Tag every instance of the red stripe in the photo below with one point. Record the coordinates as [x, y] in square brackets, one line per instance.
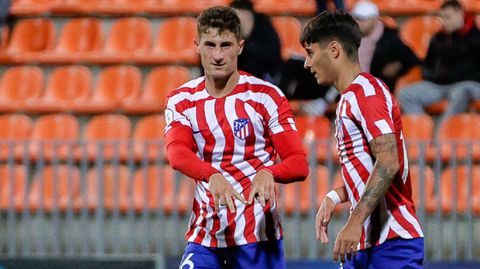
[207, 155]
[216, 222]
[203, 223]
[362, 238]
[191, 229]
[402, 221]
[411, 210]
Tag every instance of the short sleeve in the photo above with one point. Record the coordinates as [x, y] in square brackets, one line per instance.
[374, 113]
[174, 115]
[281, 117]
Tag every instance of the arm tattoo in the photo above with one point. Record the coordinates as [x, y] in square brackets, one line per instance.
[386, 167]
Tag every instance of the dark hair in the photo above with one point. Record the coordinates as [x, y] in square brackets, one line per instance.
[452, 3]
[338, 26]
[243, 5]
[221, 18]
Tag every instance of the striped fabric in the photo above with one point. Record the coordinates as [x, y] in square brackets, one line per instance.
[367, 110]
[233, 133]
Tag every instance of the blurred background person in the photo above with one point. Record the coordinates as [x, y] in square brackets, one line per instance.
[261, 55]
[382, 53]
[451, 69]
[4, 14]
[322, 5]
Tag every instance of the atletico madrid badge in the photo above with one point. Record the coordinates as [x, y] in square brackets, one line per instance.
[242, 128]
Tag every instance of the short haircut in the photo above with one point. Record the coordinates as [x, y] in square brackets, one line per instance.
[243, 5]
[452, 3]
[329, 26]
[221, 18]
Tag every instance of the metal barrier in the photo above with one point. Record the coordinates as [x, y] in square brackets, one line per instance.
[77, 199]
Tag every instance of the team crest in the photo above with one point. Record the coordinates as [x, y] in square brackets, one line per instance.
[241, 128]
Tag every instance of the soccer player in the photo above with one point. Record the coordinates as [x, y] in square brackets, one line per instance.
[225, 130]
[382, 230]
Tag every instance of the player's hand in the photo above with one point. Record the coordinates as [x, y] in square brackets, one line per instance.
[223, 192]
[347, 241]
[322, 219]
[263, 187]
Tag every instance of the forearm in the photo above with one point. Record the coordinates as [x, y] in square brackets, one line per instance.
[386, 167]
[293, 168]
[377, 185]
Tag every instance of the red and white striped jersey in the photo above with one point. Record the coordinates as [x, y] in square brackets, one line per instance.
[367, 110]
[233, 133]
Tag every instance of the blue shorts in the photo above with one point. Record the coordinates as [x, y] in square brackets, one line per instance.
[268, 254]
[392, 254]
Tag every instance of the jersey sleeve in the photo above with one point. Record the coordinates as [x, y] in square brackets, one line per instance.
[281, 116]
[373, 112]
[174, 115]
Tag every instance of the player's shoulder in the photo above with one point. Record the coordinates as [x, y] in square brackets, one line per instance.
[366, 85]
[187, 89]
[258, 85]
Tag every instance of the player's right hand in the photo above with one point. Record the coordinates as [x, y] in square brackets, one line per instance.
[322, 219]
[223, 193]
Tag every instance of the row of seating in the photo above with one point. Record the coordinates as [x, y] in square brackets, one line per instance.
[71, 89]
[154, 7]
[178, 7]
[129, 40]
[60, 137]
[156, 188]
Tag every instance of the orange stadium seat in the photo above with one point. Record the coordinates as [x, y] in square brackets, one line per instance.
[129, 41]
[460, 178]
[297, 196]
[288, 29]
[283, 7]
[159, 82]
[147, 138]
[115, 84]
[19, 87]
[180, 7]
[29, 39]
[417, 31]
[13, 187]
[460, 135]
[5, 36]
[54, 188]
[107, 136]
[15, 130]
[316, 128]
[412, 76]
[54, 137]
[417, 131]
[68, 88]
[161, 186]
[116, 182]
[31, 7]
[430, 198]
[79, 6]
[79, 38]
[174, 42]
[472, 5]
[407, 7]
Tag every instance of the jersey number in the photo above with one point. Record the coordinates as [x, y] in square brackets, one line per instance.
[187, 262]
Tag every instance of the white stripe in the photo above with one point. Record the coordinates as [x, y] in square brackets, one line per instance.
[367, 227]
[383, 126]
[355, 109]
[398, 229]
[259, 147]
[388, 99]
[367, 87]
[292, 124]
[405, 159]
[207, 239]
[411, 219]
[259, 221]
[240, 223]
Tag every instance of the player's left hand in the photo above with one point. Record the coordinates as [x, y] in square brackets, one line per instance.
[263, 187]
[347, 241]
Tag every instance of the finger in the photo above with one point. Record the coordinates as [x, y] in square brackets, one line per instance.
[261, 197]
[317, 227]
[336, 249]
[354, 250]
[326, 216]
[230, 202]
[272, 192]
[216, 200]
[342, 251]
[239, 197]
[252, 194]
[348, 250]
[324, 234]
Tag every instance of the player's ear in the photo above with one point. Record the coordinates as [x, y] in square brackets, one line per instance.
[196, 41]
[334, 49]
[241, 43]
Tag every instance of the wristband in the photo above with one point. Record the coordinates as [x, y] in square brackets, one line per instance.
[334, 196]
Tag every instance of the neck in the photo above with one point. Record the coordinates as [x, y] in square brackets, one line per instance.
[345, 77]
[221, 87]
